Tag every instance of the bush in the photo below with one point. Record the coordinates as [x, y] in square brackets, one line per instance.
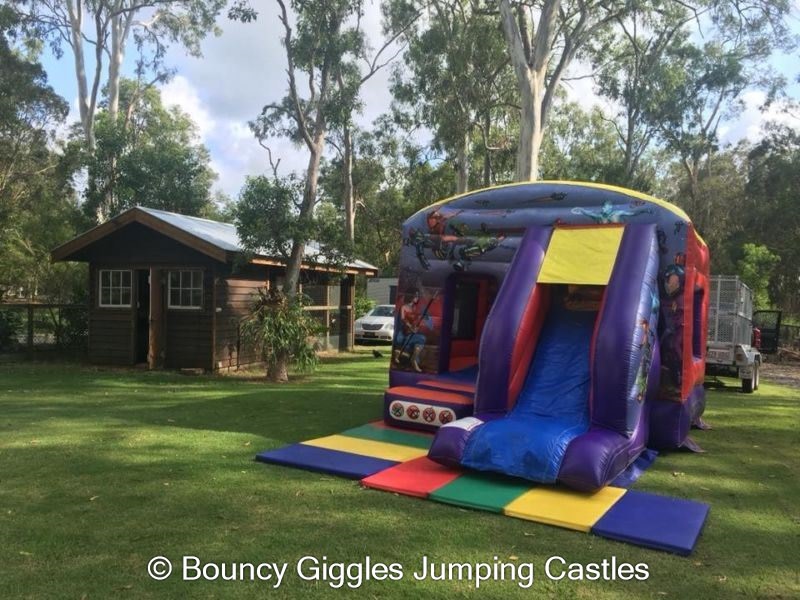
[282, 332]
[11, 324]
[363, 305]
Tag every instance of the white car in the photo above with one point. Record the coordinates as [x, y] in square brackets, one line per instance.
[377, 324]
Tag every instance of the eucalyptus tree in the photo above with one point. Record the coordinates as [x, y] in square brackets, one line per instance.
[30, 110]
[543, 39]
[457, 76]
[637, 65]
[98, 33]
[706, 90]
[153, 158]
[320, 38]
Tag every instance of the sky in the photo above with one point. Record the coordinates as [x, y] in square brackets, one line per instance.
[244, 68]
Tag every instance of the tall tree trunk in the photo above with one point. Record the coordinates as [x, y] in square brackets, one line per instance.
[75, 12]
[462, 159]
[295, 262]
[278, 371]
[530, 62]
[349, 199]
[487, 156]
[116, 56]
[531, 132]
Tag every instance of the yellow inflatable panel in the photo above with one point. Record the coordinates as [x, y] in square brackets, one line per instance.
[368, 448]
[564, 508]
[581, 255]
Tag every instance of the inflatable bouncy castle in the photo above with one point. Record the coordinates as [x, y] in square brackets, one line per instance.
[550, 331]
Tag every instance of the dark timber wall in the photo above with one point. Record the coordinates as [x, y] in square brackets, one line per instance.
[112, 331]
[206, 337]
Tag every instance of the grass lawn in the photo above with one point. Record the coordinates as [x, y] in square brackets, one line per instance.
[101, 470]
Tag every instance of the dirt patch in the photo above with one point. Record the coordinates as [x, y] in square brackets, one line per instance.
[785, 373]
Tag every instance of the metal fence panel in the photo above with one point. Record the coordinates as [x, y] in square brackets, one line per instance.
[37, 329]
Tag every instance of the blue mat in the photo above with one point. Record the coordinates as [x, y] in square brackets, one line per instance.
[311, 458]
[551, 409]
[653, 521]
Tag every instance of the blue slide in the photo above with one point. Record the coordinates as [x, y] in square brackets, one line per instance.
[552, 408]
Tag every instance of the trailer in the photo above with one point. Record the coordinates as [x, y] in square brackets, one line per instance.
[734, 344]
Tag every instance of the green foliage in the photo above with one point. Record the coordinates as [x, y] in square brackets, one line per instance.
[11, 324]
[325, 41]
[773, 214]
[456, 77]
[37, 204]
[716, 202]
[150, 156]
[392, 179]
[582, 146]
[29, 112]
[363, 305]
[755, 268]
[269, 222]
[282, 330]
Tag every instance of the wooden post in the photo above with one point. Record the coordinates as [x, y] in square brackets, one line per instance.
[213, 275]
[346, 314]
[155, 349]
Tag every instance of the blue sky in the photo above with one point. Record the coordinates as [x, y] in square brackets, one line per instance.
[244, 68]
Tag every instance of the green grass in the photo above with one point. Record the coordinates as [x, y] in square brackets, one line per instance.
[102, 470]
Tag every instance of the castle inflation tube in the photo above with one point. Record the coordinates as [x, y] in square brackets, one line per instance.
[550, 331]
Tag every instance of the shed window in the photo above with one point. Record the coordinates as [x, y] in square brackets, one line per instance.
[185, 289]
[115, 288]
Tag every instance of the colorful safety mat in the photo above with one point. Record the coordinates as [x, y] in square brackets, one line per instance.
[395, 460]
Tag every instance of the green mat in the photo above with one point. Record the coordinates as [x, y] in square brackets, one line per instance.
[390, 436]
[484, 492]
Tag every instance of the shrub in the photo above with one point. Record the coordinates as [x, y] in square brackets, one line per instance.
[282, 332]
[11, 324]
[363, 305]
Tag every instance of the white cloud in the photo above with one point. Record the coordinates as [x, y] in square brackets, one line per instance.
[750, 122]
[180, 92]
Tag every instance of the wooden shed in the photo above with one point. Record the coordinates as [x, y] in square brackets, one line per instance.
[170, 291]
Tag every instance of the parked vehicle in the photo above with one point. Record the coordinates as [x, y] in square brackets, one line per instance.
[376, 325]
[737, 337]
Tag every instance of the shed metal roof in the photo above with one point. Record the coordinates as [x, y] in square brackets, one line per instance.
[210, 234]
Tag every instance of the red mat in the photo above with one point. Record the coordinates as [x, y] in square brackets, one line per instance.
[418, 477]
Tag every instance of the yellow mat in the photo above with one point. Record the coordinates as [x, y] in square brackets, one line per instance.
[564, 508]
[371, 448]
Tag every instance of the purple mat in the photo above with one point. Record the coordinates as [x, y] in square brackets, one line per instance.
[635, 470]
[311, 458]
[653, 521]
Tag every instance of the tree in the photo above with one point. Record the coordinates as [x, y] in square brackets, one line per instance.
[317, 47]
[29, 112]
[104, 28]
[637, 64]
[392, 179]
[148, 156]
[540, 55]
[583, 146]
[772, 211]
[705, 85]
[457, 77]
[756, 268]
[721, 186]
[38, 207]
[281, 330]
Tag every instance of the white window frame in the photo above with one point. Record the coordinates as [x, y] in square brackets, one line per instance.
[172, 306]
[111, 287]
